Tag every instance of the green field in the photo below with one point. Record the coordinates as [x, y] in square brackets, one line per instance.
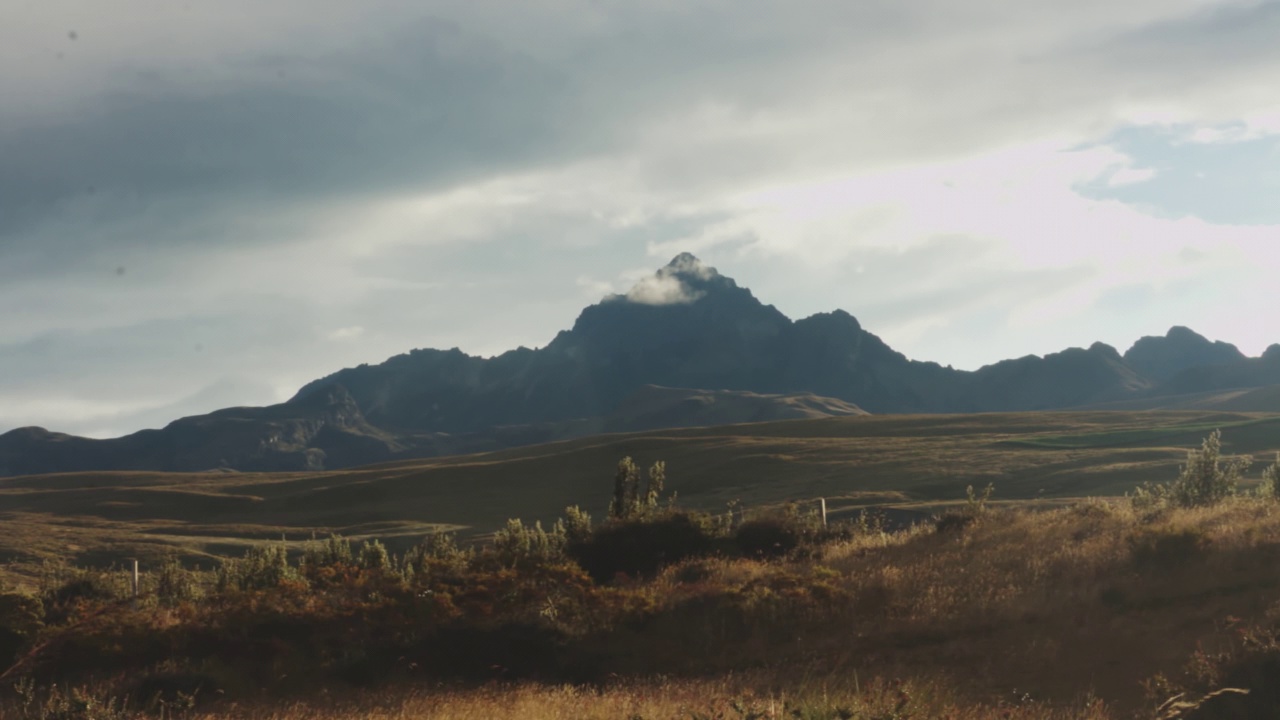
[895, 461]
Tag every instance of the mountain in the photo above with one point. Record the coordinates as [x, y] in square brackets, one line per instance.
[1248, 372]
[1161, 358]
[324, 429]
[686, 346]
[688, 326]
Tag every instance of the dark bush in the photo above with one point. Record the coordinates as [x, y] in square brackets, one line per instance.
[87, 587]
[953, 521]
[1166, 548]
[769, 537]
[20, 617]
[510, 651]
[641, 547]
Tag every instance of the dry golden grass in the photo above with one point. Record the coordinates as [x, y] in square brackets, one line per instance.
[1056, 601]
[1026, 613]
[735, 699]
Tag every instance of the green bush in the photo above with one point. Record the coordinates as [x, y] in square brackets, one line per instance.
[520, 545]
[1270, 487]
[333, 552]
[437, 556]
[374, 556]
[1206, 479]
[630, 500]
[175, 584]
[261, 568]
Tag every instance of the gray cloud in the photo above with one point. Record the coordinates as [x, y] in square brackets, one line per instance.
[406, 115]
[270, 179]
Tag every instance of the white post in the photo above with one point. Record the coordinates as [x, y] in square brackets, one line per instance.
[823, 503]
[135, 584]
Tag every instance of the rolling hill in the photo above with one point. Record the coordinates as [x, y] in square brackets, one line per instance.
[901, 462]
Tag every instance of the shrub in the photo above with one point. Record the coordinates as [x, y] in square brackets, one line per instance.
[261, 568]
[520, 545]
[642, 546]
[1270, 487]
[629, 499]
[175, 584]
[1205, 480]
[333, 552]
[373, 556]
[975, 507]
[768, 537]
[437, 556]
[576, 524]
[66, 589]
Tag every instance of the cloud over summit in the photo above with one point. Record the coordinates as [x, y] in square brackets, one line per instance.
[670, 285]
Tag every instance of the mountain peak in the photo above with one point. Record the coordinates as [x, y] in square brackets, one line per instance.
[1160, 358]
[683, 281]
[687, 262]
[1105, 349]
[1182, 332]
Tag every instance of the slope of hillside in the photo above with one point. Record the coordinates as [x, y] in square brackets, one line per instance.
[1243, 400]
[653, 407]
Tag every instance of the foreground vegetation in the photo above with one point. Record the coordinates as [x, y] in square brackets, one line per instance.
[1141, 607]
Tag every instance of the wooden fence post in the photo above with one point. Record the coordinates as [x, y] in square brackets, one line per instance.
[823, 503]
[135, 584]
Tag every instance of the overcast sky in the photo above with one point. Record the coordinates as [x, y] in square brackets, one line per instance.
[208, 203]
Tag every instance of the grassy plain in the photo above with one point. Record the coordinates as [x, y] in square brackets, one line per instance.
[904, 462]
